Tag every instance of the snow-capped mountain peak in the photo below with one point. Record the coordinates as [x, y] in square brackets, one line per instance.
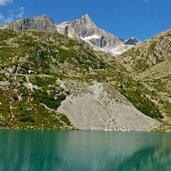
[85, 30]
[132, 41]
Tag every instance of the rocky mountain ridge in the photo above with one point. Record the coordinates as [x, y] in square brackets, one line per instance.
[83, 30]
[41, 22]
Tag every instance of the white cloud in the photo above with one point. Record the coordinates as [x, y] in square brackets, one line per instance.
[12, 15]
[4, 2]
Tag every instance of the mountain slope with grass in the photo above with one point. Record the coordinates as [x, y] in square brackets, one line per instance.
[150, 64]
[49, 81]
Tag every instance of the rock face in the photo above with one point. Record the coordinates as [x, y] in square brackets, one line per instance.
[41, 22]
[83, 30]
[2, 27]
[101, 107]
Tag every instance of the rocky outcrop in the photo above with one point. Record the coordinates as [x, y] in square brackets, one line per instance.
[85, 30]
[2, 27]
[41, 22]
[101, 107]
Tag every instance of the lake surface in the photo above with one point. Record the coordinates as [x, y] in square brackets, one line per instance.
[84, 151]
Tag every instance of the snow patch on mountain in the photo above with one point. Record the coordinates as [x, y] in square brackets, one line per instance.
[95, 36]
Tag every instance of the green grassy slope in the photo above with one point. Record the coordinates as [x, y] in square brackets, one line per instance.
[32, 63]
[150, 64]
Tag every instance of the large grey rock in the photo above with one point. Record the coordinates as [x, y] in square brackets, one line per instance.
[101, 107]
[41, 22]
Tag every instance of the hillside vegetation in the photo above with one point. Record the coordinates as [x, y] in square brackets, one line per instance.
[150, 64]
[34, 64]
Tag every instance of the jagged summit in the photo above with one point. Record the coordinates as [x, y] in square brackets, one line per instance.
[132, 41]
[86, 18]
[85, 30]
[44, 17]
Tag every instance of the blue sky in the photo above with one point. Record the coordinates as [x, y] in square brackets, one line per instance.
[123, 18]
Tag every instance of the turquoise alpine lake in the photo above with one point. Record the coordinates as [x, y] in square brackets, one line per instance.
[84, 151]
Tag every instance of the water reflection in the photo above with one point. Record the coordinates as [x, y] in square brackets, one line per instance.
[84, 151]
